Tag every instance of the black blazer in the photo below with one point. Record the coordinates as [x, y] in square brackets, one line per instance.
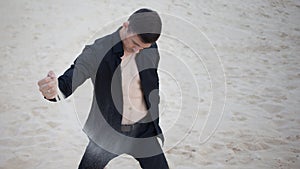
[101, 62]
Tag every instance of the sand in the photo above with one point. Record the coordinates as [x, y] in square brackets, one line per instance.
[229, 77]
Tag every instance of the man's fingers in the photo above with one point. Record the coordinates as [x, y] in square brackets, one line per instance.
[49, 93]
[48, 86]
[45, 81]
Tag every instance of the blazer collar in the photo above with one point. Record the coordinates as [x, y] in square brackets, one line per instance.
[117, 42]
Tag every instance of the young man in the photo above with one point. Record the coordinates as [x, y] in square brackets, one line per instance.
[124, 115]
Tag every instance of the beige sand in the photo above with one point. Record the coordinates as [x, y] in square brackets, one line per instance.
[257, 42]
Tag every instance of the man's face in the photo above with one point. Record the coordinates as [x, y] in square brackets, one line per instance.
[133, 44]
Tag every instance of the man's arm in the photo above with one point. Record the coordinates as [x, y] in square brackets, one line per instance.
[82, 69]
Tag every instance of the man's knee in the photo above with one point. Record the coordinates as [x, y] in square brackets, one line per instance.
[95, 157]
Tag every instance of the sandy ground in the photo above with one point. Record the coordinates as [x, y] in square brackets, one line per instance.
[243, 55]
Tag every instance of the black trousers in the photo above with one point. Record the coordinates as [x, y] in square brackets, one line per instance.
[96, 157]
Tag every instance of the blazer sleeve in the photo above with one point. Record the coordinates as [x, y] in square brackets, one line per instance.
[82, 69]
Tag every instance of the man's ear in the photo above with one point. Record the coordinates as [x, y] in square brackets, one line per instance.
[125, 24]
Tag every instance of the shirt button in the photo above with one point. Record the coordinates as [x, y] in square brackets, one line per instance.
[130, 108]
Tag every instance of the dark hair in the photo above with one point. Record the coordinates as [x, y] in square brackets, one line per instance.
[146, 23]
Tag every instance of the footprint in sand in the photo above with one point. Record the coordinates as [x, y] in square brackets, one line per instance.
[39, 111]
[238, 117]
[293, 138]
[52, 124]
[274, 142]
[271, 108]
[248, 147]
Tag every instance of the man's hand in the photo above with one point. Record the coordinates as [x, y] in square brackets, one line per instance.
[49, 85]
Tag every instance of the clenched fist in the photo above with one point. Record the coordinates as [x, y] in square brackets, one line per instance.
[49, 86]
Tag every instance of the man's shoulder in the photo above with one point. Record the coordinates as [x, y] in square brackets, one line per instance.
[104, 41]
